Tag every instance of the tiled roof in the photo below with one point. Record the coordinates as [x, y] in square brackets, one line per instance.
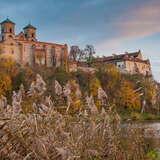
[29, 26]
[127, 56]
[7, 21]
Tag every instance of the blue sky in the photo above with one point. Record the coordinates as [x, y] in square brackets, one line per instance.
[112, 26]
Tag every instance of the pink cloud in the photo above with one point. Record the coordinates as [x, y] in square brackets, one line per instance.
[141, 22]
[137, 23]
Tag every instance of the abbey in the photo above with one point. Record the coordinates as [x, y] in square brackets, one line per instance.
[132, 63]
[26, 49]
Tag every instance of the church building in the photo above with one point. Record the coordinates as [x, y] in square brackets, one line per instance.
[27, 50]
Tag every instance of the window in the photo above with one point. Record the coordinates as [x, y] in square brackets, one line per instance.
[2, 30]
[12, 51]
[10, 36]
[2, 38]
[32, 35]
[10, 30]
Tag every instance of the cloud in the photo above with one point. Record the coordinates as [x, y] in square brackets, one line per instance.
[142, 21]
[139, 22]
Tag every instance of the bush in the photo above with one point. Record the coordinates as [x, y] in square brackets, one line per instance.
[153, 155]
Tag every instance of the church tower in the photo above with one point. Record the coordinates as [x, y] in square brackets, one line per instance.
[30, 32]
[7, 29]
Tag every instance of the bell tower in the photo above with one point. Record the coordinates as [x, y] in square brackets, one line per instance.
[7, 29]
[30, 32]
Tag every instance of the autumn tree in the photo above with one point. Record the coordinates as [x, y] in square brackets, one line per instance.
[5, 83]
[128, 97]
[7, 64]
[147, 89]
[149, 92]
[110, 78]
[84, 79]
[94, 86]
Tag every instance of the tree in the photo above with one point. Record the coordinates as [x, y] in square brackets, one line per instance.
[75, 53]
[7, 64]
[149, 92]
[84, 79]
[89, 52]
[110, 78]
[128, 97]
[5, 83]
[62, 76]
[19, 79]
[147, 89]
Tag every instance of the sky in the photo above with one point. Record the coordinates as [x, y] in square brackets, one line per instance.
[112, 26]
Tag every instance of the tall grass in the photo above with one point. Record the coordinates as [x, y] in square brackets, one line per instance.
[46, 134]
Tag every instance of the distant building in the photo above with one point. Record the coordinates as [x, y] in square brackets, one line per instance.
[26, 49]
[131, 63]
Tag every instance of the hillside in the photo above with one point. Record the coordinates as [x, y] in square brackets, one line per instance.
[133, 96]
[48, 113]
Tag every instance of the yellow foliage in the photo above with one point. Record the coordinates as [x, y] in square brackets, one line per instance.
[128, 97]
[94, 86]
[78, 104]
[113, 75]
[98, 104]
[73, 84]
[7, 64]
[7, 61]
[5, 83]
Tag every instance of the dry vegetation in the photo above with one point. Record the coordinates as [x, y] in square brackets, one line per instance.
[39, 131]
[72, 116]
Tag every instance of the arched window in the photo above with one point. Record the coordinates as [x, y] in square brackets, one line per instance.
[10, 30]
[2, 38]
[53, 57]
[32, 35]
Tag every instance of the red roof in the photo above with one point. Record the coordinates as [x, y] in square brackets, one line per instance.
[123, 57]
